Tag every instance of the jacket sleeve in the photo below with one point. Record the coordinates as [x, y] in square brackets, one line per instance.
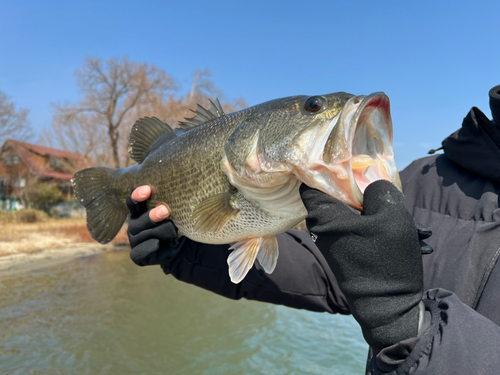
[458, 341]
[302, 278]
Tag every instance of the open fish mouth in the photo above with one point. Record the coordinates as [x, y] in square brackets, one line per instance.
[356, 152]
[372, 152]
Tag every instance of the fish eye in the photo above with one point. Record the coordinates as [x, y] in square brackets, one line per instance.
[314, 104]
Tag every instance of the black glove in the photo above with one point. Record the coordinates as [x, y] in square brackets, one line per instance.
[151, 243]
[376, 258]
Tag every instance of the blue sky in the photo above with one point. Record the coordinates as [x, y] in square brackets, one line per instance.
[434, 59]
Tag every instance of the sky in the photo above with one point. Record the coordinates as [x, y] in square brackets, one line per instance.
[434, 59]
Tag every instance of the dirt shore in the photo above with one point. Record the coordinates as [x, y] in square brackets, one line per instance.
[34, 245]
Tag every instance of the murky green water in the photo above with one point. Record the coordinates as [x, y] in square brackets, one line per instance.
[104, 315]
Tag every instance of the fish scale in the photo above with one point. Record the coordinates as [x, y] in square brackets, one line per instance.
[235, 178]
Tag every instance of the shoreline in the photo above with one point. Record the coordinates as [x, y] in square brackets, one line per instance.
[31, 246]
[25, 262]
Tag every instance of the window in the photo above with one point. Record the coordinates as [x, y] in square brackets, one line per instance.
[20, 183]
[56, 163]
[11, 159]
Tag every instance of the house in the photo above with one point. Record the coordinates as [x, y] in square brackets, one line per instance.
[22, 162]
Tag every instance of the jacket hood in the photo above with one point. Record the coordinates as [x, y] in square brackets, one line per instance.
[495, 104]
[476, 146]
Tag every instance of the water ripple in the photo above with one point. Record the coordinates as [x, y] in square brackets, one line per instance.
[105, 315]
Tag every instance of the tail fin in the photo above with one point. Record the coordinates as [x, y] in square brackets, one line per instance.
[105, 212]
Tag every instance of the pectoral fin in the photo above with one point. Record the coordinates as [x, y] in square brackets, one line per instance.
[214, 212]
[245, 252]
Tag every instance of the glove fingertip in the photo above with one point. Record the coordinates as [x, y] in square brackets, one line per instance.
[141, 223]
[423, 231]
[426, 249]
[166, 231]
[136, 209]
[139, 253]
[130, 202]
[382, 195]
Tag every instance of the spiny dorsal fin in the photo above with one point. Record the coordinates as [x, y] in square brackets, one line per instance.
[202, 115]
[214, 212]
[143, 134]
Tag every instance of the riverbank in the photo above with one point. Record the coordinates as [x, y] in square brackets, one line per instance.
[35, 245]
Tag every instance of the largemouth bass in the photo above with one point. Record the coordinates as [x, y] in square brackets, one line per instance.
[234, 178]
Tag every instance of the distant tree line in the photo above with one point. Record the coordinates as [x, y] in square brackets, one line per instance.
[114, 94]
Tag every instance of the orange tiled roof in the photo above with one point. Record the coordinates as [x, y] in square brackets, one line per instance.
[27, 152]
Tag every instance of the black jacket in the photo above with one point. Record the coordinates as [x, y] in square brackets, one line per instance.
[456, 195]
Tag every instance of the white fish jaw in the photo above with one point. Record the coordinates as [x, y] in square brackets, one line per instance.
[352, 151]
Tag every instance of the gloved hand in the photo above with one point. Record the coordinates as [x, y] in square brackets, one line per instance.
[153, 239]
[376, 257]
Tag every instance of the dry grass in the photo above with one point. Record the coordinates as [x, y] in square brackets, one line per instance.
[81, 233]
[27, 215]
[33, 237]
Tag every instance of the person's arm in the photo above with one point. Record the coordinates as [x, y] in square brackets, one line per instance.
[302, 278]
[459, 341]
[376, 257]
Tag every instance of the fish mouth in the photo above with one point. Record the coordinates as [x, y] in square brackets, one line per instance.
[352, 151]
[370, 137]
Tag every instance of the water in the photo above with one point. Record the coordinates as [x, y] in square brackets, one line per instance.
[104, 315]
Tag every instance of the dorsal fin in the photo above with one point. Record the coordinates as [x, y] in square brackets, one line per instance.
[203, 115]
[144, 133]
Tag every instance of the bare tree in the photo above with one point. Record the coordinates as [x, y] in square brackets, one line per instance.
[202, 84]
[13, 123]
[114, 95]
[173, 109]
[79, 132]
[110, 92]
